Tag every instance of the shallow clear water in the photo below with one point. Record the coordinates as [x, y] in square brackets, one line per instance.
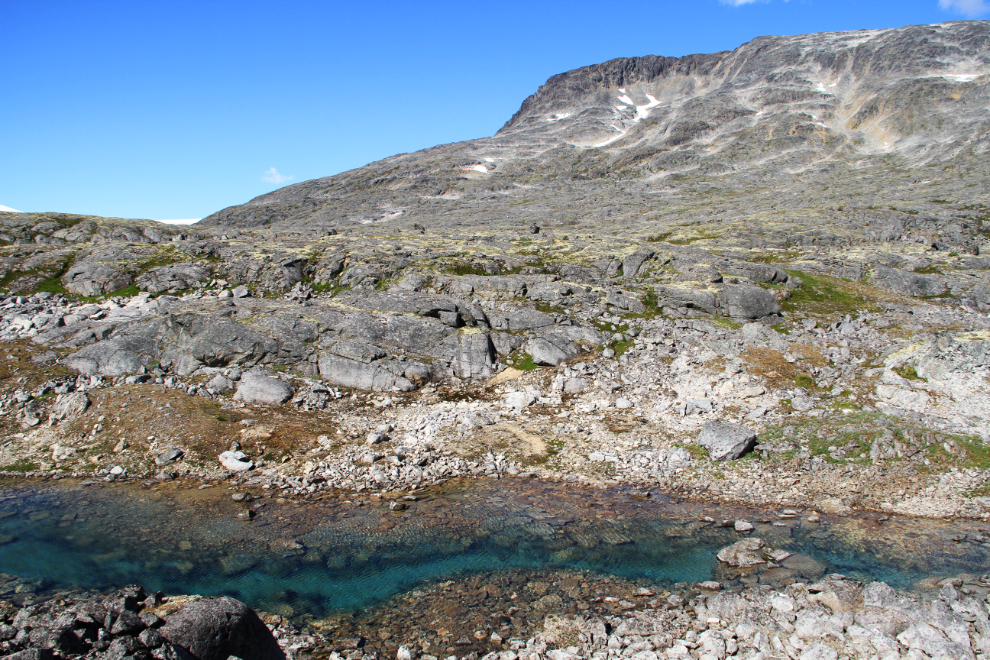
[328, 555]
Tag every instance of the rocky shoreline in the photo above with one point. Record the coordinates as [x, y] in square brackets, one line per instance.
[825, 620]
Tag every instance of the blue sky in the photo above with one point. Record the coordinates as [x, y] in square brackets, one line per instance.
[177, 109]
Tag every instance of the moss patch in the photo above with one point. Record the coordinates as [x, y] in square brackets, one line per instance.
[825, 295]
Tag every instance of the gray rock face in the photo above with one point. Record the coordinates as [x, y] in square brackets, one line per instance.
[69, 406]
[257, 386]
[469, 355]
[93, 279]
[172, 278]
[725, 441]
[741, 301]
[678, 296]
[524, 318]
[196, 340]
[634, 264]
[552, 348]
[113, 357]
[217, 628]
[908, 283]
[367, 371]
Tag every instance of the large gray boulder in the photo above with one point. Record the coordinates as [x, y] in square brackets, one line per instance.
[524, 318]
[912, 284]
[258, 386]
[745, 301]
[219, 384]
[679, 296]
[172, 278]
[551, 348]
[94, 279]
[747, 552]
[725, 441]
[218, 628]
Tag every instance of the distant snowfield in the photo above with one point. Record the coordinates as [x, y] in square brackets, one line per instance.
[7, 209]
[962, 77]
[186, 221]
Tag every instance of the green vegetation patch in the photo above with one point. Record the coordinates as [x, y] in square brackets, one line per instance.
[522, 361]
[464, 269]
[22, 465]
[907, 371]
[821, 294]
[52, 282]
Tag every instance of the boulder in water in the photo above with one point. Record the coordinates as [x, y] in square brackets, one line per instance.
[743, 553]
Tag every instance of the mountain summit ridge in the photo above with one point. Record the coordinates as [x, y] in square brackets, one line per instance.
[774, 105]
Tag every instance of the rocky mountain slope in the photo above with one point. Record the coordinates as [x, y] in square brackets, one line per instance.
[784, 133]
[654, 262]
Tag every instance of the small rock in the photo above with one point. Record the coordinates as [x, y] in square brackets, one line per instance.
[575, 385]
[375, 438]
[219, 385]
[519, 400]
[235, 461]
[169, 456]
[623, 403]
[744, 526]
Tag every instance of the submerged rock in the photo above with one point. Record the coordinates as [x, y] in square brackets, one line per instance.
[743, 553]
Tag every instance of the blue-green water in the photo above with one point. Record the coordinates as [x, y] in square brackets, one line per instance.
[329, 555]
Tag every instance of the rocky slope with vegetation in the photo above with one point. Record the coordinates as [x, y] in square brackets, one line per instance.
[758, 276]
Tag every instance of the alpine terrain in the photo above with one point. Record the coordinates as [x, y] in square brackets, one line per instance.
[757, 277]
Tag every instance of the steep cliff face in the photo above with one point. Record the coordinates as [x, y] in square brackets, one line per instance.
[899, 98]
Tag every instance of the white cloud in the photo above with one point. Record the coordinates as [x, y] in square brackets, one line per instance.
[7, 209]
[740, 3]
[181, 221]
[968, 8]
[273, 176]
